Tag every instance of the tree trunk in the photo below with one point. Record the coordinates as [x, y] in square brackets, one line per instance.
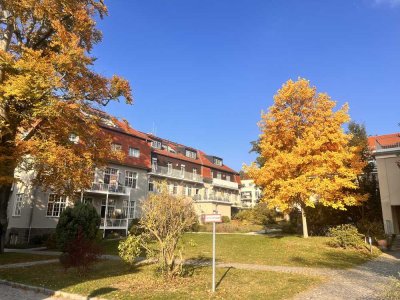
[304, 221]
[5, 191]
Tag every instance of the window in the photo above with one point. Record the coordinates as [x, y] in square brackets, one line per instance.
[55, 205]
[111, 176]
[194, 174]
[189, 190]
[182, 170]
[154, 164]
[169, 168]
[87, 200]
[134, 152]
[191, 154]
[151, 185]
[156, 144]
[19, 199]
[74, 138]
[110, 207]
[219, 175]
[128, 209]
[175, 189]
[218, 161]
[130, 179]
[116, 147]
[228, 178]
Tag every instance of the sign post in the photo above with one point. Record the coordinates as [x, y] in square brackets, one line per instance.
[214, 218]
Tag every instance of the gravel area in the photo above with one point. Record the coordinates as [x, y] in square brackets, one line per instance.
[363, 282]
[10, 293]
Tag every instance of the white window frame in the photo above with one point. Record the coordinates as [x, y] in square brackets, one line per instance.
[182, 171]
[169, 168]
[175, 189]
[134, 152]
[190, 154]
[116, 147]
[156, 144]
[131, 179]
[219, 175]
[56, 201]
[111, 172]
[194, 174]
[151, 184]
[218, 161]
[154, 164]
[73, 138]
[86, 199]
[228, 178]
[19, 200]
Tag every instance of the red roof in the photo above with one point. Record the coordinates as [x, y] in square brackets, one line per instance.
[383, 140]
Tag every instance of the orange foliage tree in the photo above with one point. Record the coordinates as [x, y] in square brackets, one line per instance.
[47, 91]
[306, 154]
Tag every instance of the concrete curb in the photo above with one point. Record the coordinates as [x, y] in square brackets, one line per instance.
[28, 264]
[38, 289]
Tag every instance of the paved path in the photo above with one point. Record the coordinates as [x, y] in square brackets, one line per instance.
[363, 282]
[9, 293]
[28, 264]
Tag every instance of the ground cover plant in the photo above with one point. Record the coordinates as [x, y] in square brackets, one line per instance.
[116, 280]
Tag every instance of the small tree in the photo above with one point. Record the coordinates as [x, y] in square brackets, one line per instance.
[305, 156]
[165, 219]
[81, 216]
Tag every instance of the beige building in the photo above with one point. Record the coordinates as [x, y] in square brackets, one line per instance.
[386, 149]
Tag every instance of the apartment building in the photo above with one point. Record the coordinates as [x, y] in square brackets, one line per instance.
[250, 194]
[386, 150]
[118, 189]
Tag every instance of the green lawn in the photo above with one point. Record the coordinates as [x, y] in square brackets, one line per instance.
[283, 250]
[13, 258]
[260, 249]
[114, 280]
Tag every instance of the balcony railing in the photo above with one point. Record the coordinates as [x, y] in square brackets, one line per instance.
[111, 188]
[225, 183]
[174, 173]
[212, 197]
[113, 223]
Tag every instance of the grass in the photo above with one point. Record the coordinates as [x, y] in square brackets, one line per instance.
[114, 280]
[281, 250]
[13, 258]
[268, 250]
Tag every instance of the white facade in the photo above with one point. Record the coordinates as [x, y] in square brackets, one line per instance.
[250, 194]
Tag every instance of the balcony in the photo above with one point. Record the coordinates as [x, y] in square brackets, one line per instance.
[176, 174]
[114, 223]
[225, 183]
[105, 188]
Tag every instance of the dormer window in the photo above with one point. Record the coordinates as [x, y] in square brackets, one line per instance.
[156, 144]
[74, 138]
[116, 147]
[218, 161]
[191, 154]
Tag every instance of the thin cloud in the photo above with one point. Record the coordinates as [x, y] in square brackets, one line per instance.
[391, 3]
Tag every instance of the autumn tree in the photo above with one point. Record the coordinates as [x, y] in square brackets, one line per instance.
[47, 91]
[306, 154]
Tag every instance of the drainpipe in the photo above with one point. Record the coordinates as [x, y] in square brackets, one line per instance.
[105, 216]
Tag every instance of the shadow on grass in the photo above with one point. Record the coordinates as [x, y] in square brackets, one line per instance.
[101, 291]
[223, 276]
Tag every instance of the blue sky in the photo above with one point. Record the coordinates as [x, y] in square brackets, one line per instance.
[203, 70]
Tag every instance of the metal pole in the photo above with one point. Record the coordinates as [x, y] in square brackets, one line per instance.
[213, 260]
[105, 216]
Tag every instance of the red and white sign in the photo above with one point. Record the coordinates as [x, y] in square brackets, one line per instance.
[214, 218]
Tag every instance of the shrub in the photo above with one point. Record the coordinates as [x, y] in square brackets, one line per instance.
[51, 242]
[345, 236]
[165, 218]
[130, 248]
[374, 229]
[225, 219]
[81, 216]
[80, 253]
[260, 214]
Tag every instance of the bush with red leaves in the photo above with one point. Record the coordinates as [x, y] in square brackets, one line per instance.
[80, 253]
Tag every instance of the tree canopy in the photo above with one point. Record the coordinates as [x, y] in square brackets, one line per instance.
[48, 87]
[305, 152]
